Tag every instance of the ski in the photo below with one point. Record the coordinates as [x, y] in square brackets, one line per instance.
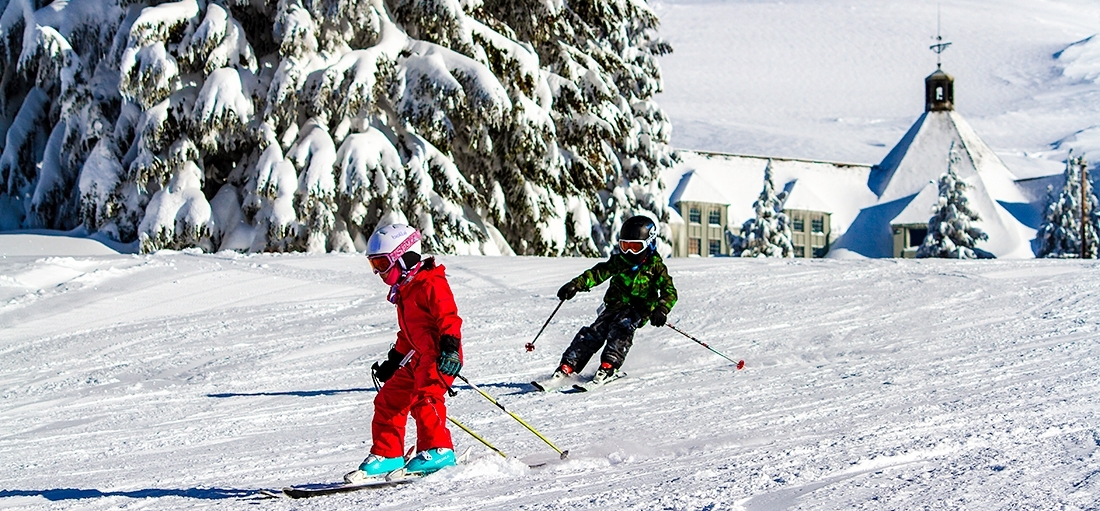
[591, 385]
[550, 383]
[317, 490]
[396, 478]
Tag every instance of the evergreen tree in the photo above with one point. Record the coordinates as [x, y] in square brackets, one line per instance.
[303, 124]
[601, 57]
[951, 230]
[769, 233]
[1060, 233]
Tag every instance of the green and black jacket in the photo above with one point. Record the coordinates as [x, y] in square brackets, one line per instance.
[645, 287]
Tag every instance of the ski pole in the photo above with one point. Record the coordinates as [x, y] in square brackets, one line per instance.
[531, 345]
[740, 363]
[564, 454]
[475, 435]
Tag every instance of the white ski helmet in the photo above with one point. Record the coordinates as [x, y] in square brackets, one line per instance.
[386, 246]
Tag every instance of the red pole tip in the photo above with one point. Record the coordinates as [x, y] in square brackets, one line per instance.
[530, 346]
[740, 365]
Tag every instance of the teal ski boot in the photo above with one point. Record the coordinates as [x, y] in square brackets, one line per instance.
[373, 468]
[431, 460]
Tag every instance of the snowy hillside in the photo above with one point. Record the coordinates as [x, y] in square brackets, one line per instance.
[187, 381]
[843, 80]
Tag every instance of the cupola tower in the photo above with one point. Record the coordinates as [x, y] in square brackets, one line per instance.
[939, 92]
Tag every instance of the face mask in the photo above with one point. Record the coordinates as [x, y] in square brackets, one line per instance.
[391, 276]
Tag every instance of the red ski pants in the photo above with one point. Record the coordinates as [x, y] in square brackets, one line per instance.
[417, 389]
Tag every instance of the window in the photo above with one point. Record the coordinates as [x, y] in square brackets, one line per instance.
[817, 225]
[695, 216]
[714, 217]
[916, 236]
[715, 247]
[799, 251]
[798, 224]
[693, 246]
[939, 93]
[820, 251]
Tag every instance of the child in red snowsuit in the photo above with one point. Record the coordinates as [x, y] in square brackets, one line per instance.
[421, 366]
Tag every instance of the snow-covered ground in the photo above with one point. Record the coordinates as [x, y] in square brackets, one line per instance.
[843, 79]
[181, 380]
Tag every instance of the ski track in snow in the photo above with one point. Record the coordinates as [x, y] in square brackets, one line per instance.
[187, 381]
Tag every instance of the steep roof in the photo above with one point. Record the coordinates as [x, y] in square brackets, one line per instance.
[921, 156]
[919, 210]
[906, 185]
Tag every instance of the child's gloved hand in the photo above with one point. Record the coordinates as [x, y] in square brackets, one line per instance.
[658, 317]
[449, 362]
[568, 291]
[385, 370]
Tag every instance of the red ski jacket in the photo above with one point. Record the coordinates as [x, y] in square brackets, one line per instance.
[426, 311]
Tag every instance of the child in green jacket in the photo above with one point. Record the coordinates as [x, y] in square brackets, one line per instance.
[640, 290]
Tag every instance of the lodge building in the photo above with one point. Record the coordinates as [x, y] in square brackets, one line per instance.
[856, 210]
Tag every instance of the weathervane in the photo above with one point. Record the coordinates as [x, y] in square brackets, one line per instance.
[940, 46]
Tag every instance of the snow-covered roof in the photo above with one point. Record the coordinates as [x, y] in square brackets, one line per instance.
[736, 180]
[919, 210]
[803, 197]
[921, 157]
[696, 188]
[906, 182]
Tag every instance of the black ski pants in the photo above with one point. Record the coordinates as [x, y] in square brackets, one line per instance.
[616, 327]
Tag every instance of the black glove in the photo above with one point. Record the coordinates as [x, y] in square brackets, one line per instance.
[385, 370]
[449, 362]
[658, 317]
[568, 291]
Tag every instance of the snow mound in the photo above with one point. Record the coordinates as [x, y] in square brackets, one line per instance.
[41, 245]
[1081, 60]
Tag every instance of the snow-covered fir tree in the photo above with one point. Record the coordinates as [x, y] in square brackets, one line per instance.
[769, 233]
[601, 58]
[303, 124]
[951, 230]
[1060, 233]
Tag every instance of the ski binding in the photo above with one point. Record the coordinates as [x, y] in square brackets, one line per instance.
[591, 385]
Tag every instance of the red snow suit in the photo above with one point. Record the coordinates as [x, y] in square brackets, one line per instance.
[426, 310]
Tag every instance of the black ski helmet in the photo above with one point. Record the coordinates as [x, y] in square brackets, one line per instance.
[638, 228]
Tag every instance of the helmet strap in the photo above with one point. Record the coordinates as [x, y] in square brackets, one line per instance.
[404, 277]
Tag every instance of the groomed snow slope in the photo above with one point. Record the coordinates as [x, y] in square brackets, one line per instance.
[185, 381]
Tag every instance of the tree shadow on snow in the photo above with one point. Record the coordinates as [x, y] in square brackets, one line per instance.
[519, 388]
[61, 494]
[296, 393]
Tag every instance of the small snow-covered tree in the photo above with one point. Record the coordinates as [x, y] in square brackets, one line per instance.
[951, 230]
[1060, 233]
[769, 233]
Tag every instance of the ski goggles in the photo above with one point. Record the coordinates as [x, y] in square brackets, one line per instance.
[382, 263]
[633, 246]
[638, 246]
